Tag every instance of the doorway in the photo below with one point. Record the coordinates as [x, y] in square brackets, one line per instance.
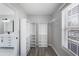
[39, 41]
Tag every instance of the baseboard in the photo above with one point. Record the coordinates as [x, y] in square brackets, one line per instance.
[54, 49]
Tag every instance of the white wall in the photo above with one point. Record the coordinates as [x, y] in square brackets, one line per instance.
[39, 19]
[5, 10]
[55, 35]
[25, 34]
[1, 27]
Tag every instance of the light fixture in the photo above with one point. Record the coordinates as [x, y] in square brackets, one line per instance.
[5, 20]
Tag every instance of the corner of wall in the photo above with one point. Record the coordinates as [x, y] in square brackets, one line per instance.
[54, 49]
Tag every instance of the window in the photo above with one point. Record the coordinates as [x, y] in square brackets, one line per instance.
[70, 28]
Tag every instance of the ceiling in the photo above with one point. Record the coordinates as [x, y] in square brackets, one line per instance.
[40, 9]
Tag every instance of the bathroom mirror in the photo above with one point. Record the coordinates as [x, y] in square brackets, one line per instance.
[6, 25]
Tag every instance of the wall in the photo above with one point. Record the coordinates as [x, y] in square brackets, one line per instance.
[39, 19]
[25, 36]
[55, 35]
[1, 27]
[5, 10]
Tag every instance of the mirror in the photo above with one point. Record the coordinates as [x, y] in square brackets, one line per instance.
[6, 25]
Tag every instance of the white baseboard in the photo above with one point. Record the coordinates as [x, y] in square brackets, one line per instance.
[54, 49]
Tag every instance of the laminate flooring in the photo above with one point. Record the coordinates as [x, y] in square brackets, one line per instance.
[42, 51]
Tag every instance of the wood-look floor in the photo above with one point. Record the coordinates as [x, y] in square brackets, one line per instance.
[42, 51]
